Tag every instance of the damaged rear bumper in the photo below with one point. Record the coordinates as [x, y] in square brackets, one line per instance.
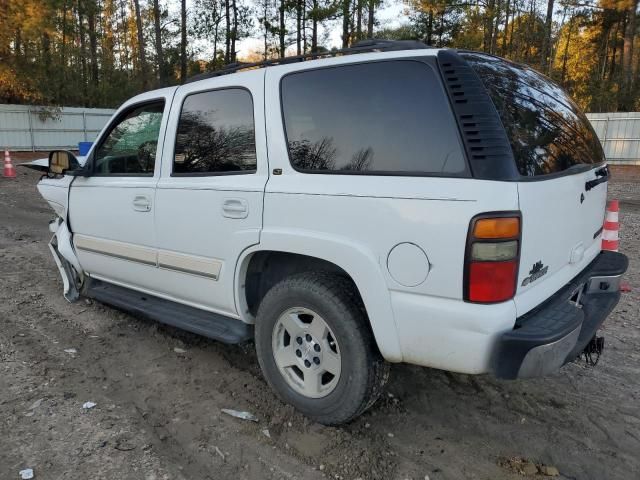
[557, 331]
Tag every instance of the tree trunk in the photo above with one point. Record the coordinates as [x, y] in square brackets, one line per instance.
[227, 40]
[627, 56]
[93, 46]
[183, 41]
[565, 56]
[83, 53]
[299, 27]
[359, 19]
[162, 74]
[515, 17]
[314, 27]
[17, 43]
[63, 51]
[5, 41]
[265, 25]
[553, 50]
[430, 28]
[494, 35]
[234, 31]
[503, 48]
[353, 6]
[614, 54]
[530, 29]
[345, 23]
[265, 29]
[281, 30]
[125, 58]
[215, 44]
[546, 38]
[304, 25]
[45, 61]
[370, 22]
[488, 25]
[46, 54]
[141, 52]
[604, 52]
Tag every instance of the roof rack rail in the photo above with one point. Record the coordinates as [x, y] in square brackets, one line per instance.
[370, 45]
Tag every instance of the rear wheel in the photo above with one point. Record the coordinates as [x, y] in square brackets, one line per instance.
[316, 349]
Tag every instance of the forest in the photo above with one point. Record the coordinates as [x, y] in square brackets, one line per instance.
[98, 53]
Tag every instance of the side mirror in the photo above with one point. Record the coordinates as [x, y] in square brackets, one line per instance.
[63, 162]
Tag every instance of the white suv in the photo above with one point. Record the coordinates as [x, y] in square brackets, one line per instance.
[385, 203]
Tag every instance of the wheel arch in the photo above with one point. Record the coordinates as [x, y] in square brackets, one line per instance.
[290, 254]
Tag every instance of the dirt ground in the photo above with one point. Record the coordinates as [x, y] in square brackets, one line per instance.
[158, 410]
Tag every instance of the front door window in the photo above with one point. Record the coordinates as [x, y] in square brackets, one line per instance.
[130, 147]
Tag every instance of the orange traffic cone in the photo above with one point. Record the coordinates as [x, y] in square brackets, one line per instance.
[9, 170]
[610, 239]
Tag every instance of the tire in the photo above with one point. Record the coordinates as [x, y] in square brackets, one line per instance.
[348, 347]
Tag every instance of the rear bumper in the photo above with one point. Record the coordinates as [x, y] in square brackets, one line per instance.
[557, 331]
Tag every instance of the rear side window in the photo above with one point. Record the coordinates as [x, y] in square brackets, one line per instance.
[547, 131]
[216, 134]
[377, 118]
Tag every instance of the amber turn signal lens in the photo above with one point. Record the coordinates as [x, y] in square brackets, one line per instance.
[507, 227]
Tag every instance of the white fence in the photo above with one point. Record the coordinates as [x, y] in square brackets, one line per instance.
[25, 127]
[620, 136]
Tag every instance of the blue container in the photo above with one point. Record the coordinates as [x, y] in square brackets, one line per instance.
[84, 147]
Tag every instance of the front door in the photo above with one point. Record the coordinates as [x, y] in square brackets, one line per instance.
[210, 194]
[111, 212]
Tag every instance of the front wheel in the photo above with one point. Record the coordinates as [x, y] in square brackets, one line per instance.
[316, 349]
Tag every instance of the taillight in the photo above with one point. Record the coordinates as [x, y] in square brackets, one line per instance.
[492, 257]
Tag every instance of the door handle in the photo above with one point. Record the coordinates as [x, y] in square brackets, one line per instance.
[141, 203]
[235, 208]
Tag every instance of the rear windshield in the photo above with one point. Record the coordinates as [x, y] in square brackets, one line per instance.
[547, 131]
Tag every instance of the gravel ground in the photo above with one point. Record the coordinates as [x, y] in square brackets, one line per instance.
[159, 393]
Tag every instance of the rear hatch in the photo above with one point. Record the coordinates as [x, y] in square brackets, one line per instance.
[562, 192]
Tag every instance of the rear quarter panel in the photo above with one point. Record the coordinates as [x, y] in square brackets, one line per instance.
[356, 220]
[426, 323]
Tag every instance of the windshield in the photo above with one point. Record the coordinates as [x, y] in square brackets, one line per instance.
[547, 131]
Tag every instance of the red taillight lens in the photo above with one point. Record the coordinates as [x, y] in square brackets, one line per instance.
[492, 281]
[491, 262]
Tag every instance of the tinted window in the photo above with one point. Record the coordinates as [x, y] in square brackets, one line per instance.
[547, 131]
[375, 117]
[130, 147]
[216, 133]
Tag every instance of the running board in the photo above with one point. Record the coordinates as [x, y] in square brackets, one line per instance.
[208, 324]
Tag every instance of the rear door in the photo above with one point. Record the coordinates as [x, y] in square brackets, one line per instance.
[210, 193]
[563, 190]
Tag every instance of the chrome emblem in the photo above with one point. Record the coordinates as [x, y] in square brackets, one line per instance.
[538, 270]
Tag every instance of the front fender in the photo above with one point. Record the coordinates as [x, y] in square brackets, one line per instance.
[64, 246]
[65, 258]
[56, 192]
[355, 259]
